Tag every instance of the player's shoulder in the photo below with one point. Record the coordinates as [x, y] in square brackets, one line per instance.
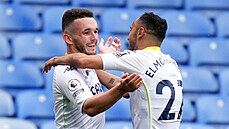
[65, 69]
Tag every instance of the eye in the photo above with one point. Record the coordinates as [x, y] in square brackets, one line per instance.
[86, 33]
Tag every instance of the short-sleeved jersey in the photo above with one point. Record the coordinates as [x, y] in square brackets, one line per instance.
[157, 103]
[71, 87]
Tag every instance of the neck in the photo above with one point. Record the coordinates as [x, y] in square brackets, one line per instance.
[71, 50]
[148, 41]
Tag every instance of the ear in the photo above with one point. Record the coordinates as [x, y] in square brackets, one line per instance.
[67, 38]
[141, 32]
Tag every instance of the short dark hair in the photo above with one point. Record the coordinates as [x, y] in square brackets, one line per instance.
[72, 14]
[154, 25]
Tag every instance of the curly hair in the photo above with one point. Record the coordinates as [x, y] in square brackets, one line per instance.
[72, 14]
[154, 25]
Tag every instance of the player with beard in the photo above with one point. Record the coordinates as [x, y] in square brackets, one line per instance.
[157, 103]
[79, 101]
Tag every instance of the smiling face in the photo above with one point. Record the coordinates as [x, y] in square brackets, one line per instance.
[84, 35]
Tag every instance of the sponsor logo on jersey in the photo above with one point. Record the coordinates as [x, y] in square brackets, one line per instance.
[69, 68]
[75, 94]
[96, 89]
[87, 72]
[74, 84]
[120, 54]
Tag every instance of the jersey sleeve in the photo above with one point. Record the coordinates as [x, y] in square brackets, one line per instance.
[126, 61]
[72, 85]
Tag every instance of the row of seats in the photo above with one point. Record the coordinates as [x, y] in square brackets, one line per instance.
[189, 4]
[195, 79]
[180, 23]
[196, 83]
[37, 107]
[196, 38]
[11, 123]
[211, 52]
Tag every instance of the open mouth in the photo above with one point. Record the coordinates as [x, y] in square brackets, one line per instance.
[91, 45]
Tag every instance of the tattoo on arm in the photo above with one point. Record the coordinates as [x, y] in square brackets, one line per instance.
[111, 81]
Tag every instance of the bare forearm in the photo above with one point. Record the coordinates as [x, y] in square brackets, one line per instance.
[102, 102]
[76, 60]
[107, 79]
[80, 60]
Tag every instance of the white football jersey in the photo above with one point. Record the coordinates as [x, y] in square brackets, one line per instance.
[157, 103]
[71, 87]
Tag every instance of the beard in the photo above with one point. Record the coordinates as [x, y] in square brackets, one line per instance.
[81, 48]
[133, 42]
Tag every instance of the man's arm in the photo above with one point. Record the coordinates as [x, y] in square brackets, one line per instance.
[102, 102]
[76, 60]
[109, 80]
[80, 60]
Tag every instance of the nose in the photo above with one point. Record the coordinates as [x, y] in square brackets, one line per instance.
[93, 36]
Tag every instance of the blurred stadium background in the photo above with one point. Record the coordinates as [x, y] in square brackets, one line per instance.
[197, 38]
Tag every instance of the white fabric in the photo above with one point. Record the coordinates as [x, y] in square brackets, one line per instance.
[71, 88]
[158, 71]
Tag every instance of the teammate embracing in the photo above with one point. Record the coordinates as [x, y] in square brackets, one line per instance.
[157, 103]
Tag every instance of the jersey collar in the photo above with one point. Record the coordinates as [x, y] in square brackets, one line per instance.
[153, 48]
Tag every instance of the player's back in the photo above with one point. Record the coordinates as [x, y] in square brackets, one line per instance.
[157, 103]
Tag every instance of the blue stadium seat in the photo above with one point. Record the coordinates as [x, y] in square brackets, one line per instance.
[209, 52]
[175, 49]
[119, 111]
[5, 51]
[195, 126]
[114, 72]
[101, 3]
[188, 23]
[17, 76]
[49, 81]
[118, 21]
[52, 17]
[189, 113]
[35, 105]
[221, 26]
[198, 80]
[165, 4]
[13, 123]
[227, 127]
[19, 18]
[45, 2]
[118, 125]
[4, 1]
[212, 109]
[34, 46]
[48, 125]
[6, 104]
[224, 82]
[207, 4]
